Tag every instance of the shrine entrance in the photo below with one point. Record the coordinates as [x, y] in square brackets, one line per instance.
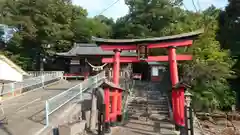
[143, 69]
[142, 46]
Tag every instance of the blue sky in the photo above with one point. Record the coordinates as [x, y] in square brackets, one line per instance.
[94, 7]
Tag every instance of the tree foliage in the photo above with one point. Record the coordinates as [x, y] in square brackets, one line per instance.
[50, 22]
[228, 36]
[211, 67]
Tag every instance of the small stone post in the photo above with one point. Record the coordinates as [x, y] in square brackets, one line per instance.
[93, 117]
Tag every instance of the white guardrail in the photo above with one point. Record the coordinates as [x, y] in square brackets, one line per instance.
[34, 82]
[61, 99]
[40, 73]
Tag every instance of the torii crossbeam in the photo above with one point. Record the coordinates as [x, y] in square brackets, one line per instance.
[142, 46]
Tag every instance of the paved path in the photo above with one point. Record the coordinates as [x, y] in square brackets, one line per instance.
[26, 113]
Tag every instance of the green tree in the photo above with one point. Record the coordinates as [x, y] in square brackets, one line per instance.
[228, 36]
[229, 26]
[147, 18]
[50, 22]
[210, 69]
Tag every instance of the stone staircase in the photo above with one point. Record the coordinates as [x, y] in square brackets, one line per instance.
[148, 113]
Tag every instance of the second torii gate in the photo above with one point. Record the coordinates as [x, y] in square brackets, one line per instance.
[142, 46]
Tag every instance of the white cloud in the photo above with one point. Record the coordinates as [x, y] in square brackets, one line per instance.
[95, 7]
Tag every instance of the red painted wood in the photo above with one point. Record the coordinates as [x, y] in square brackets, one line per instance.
[155, 78]
[72, 74]
[165, 58]
[121, 47]
[174, 105]
[150, 59]
[172, 58]
[181, 118]
[154, 45]
[112, 115]
[168, 44]
[113, 93]
[177, 94]
[119, 103]
[177, 103]
[116, 72]
[119, 112]
[107, 103]
[86, 75]
[137, 76]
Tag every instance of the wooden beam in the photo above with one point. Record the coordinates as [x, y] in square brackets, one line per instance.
[150, 59]
[150, 45]
[121, 47]
[168, 44]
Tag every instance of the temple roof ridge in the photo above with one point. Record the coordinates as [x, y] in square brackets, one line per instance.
[90, 49]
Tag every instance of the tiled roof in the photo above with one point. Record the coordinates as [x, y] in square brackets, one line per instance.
[91, 49]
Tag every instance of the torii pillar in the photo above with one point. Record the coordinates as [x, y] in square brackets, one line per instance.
[117, 98]
[178, 99]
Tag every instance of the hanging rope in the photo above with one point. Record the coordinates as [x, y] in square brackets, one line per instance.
[96, 68]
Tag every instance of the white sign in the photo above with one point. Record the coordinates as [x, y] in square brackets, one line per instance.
[154, 71]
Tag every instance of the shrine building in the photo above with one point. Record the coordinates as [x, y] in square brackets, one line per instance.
[85, 58]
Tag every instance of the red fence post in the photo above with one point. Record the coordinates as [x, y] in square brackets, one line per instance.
[119, 104]
[107, 110]
[181, 106]
[116, 71]
[107, 104]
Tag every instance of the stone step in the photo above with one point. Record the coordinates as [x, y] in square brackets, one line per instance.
[164, 122]
[149, 94]
[145, 116]
[138, 99]
[148, 105]
[155, 97]
[147, 108]
[160, 93]
[150, 127]
[165, 112]
[157, 91]
[149, 100]
[135, 116]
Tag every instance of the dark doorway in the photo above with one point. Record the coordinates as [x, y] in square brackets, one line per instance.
[143, 68]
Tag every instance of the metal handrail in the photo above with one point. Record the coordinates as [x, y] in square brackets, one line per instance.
[26, 83]
[57, 101]
[40, 73]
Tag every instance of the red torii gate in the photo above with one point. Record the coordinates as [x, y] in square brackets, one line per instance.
[142, 46]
